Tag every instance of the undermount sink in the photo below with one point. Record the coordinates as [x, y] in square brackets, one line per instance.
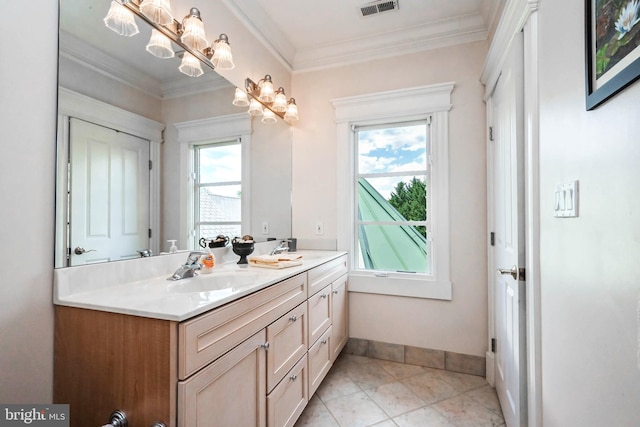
[214, 282]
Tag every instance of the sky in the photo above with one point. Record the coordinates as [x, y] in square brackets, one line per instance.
[396, 149]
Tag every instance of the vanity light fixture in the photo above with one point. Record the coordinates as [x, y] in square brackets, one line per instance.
[280, 102]
[291, 115]
[159, 11]
[190, 65]
[241, 99]
[278, 105]
[268, 116]
[159, 45]
[121, 20]
[193, 34]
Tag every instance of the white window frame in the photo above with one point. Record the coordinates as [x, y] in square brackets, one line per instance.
[208, 131]
[390, 107]
[198, 185]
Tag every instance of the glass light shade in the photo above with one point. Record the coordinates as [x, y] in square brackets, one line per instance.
[190, 65]
[159, 11]
[194, 35]
[241, 99]
[291, 115]
[280, 102]
[255, 108]
[159, 45]
[269, 116]
[267, 95]
[222, 58]
[121, 20]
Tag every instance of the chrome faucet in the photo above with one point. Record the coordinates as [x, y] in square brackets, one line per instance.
[282, 247]
[189, 268]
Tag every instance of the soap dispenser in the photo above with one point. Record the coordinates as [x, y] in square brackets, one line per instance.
[173, 249]
[207, 261]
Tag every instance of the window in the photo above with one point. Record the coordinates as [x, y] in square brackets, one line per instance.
[379, 156]
[217, 189]
[391, 197]
[212, 152]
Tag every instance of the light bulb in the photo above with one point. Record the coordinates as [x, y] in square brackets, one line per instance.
[222, 58]
[121, 20]
[193, 31]
[280, 102]
[159, 45]
[190, 65]
[268, 116]
[255, 108]
[159, 11]
[267, 94]
[291, 115]
[241, 99]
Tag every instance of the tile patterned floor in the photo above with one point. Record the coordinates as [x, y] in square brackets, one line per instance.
[360, 391]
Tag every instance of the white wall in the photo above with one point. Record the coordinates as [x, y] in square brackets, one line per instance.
[28, 88]
[590, 265]
[459, 325]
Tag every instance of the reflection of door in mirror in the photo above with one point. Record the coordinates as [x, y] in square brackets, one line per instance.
[109, 174]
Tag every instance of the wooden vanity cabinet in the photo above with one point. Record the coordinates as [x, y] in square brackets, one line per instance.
[252, 362]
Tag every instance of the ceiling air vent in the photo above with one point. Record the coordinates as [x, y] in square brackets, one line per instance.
[378, 7]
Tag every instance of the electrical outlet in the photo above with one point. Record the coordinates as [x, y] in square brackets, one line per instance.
[265, 227]
[319, 228]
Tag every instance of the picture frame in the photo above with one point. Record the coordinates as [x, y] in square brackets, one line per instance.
[612, 44]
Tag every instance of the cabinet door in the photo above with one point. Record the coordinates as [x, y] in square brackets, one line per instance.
[287, 338]
[339, 316]
[229, 392]
[319, 314]
[319, 361]
[287, 401]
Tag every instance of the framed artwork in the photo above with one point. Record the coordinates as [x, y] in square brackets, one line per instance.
[612, 36]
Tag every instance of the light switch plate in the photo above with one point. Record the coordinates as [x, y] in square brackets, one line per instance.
[565, 200]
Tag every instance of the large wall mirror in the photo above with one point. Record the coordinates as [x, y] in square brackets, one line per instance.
[145, 152]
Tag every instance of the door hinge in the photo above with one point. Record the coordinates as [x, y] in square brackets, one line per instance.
[492, 238]
[150, 164]
[490, 133]
[493, 345]
[150, 233]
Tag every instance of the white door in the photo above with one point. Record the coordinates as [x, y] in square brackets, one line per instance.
[507, 189]
[109, 198]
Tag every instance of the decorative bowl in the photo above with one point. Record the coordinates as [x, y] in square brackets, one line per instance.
[243, 249]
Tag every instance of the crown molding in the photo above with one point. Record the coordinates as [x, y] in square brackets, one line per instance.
[86, 55]
[463, 29]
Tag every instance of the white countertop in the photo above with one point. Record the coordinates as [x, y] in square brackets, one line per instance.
[123, 288]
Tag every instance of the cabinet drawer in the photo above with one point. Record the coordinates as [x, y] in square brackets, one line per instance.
[319, 361]
[322, 275]
[287, 339]
[210, 335]
[229, 392]
[287, 401]
[319, 314]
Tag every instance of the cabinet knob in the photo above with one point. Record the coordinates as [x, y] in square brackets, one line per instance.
[323, 296]
[336, 292]
[324, 341]
[293, 377]
[293, 318]
[265, 345]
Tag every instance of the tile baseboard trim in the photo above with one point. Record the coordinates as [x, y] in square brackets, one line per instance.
[430, 358]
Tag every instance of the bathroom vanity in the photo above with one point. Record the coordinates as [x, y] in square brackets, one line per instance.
[237, 347]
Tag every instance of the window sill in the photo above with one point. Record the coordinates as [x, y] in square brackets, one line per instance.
[400, 286]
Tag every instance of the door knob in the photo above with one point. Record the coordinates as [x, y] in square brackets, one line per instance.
[513, 272]
[79, 250]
